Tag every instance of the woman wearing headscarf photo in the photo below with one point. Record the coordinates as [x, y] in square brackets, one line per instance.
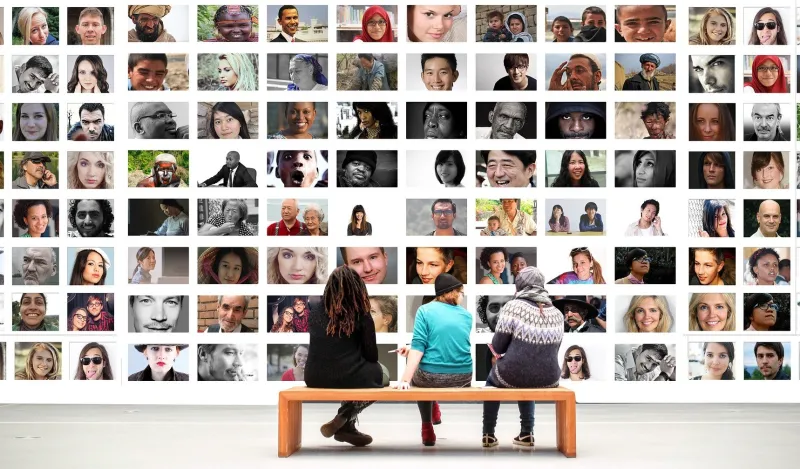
[767, 75]
[715, 169]
[376, 26]
[306, 74]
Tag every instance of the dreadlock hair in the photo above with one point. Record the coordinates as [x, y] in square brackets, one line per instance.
[344, 299]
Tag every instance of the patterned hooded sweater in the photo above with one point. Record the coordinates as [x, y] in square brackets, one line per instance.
[530, 334]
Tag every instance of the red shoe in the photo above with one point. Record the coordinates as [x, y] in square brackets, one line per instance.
[437, 414]
[428, 435]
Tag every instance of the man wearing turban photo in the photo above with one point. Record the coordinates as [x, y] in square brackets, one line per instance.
[149, 25]
[646, 79]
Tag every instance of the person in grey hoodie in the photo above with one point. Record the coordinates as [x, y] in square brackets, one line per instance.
[516, 23]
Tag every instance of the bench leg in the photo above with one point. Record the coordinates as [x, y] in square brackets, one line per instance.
[565, 424]
[290, 426]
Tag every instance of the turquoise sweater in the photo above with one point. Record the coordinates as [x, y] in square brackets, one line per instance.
[441, 333]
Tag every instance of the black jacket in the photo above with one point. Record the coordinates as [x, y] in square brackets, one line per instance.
[215, 328]
[240, 179]
[146, 375]
[638, 83]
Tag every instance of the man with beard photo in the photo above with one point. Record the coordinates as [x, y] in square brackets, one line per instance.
[149, 25]
[507, 119]
[575, 120]
[357, 169]
[163, 174]
[34, 173]
[646, 79]
[222, 362]
[232, 174]
[712, 74]
[151, 121]
[90, 218]
[766, 123]
[583, 73]
[91, 125]
[299, 168]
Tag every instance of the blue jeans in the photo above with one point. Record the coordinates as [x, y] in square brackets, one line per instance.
[491, 408]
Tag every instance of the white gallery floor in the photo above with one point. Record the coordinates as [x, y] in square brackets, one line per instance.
[620, 436]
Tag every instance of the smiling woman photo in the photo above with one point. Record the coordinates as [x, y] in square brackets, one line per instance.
[226, 121]
[717, 360]
[32, 313]
[90, 268]
[432, 23]
[712, 312]
[299, 119]
[35, 122]
[43, 362]
[648, 314]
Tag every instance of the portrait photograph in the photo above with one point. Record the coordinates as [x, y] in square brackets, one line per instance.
[90, 26]
[712, 73]
[367, 120]
[767, 312]
[232, 168]
[576, 72]
[645, 23]
[712, 266]
[767, 361]
[505, 168]
[651, 265]
[289, 313]
[35, 74]
[309, 215]
[709, 122]
[713, 312]
[297, 72]
[644, 168]
[582, 313]
[158, 120]
[646, 215]
[645, 313]
[766, 266]
[436, 120]
[492, 265]
[35, 218]
[653, 120]
[46, 354]
[159, 362]
[413, 304]
[575, 120]
[158, 217]
[90, 312]
[35, 26]
[2, 347]
[586, 215]
[767, 218]
[227, 71]
[575, 23]
[158, 313]
[436, 72]
[34, 170]
[575, 168]
[424, 264]
[297, 168]
[504, 120]
[90, 218]
[286, 362]
[301, 23]
[30, 312]
[436, 217]
[366, 23]
[366, 168]
[158, 265]
[437, 23]
[767, 170]
[504, 217]
[35, 265]
[227, 23]
[713, 169]
[715, 26]
[93, 361]
[767, 73]
[90, 266]
[375, 265]
[582, 361]
[445, 168]
[90, 74]
[645, 362]
[87, 122]
[765, 26]
[297, 265]
[765, 122]
[512, 23]
[34, 122]
[158, 72]
[158, 23]
[227, 362]
[712, 218]
[227, 120]
[227, 265]
[488, 310]
[645, 72]
[366, 72]
[297, 120]
[158, 168]
[363, 217]
[227, 217]
[227, 314]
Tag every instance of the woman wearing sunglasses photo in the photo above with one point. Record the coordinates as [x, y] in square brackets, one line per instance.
[768, 29]
[93, 363]
[575, 366]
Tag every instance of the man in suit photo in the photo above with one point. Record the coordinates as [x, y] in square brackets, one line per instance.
[232, 174]
[231, 310]
[289, 19]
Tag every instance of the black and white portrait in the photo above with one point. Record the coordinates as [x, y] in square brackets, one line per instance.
[158, 120]
[505, 120]
[436, 120]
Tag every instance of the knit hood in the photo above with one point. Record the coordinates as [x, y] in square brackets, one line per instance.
[530, 285]
[524, 35]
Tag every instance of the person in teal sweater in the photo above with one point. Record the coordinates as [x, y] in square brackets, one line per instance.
[440, 352]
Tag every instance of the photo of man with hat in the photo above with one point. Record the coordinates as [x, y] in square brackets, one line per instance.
[357, 169]
[575, 120]
[149, 25]
[577, 314]
[160, 361]
[646, 79]
[163, 174]
[33, 172]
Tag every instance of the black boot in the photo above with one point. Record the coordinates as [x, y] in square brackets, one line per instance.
[349, 434]
[330, 428]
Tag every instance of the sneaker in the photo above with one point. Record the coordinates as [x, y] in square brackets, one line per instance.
[349, 434]
[437, 414]
[524, 439]
[428, 435]
[489, 440]
[329, 429]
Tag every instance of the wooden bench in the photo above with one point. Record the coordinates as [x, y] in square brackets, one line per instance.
[290, 407]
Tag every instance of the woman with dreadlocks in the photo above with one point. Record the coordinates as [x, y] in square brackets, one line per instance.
[343, 353]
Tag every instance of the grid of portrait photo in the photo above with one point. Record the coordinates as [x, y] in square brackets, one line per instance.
[142, 247]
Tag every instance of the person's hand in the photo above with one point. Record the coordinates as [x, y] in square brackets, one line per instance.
[668, 365]
[17, 71]
[51, 83]
[239, 376]
[657, 222]
[227, 228]
[402, 385]
[555, 79]
[201, 184]
[702, 234]
[49, 178]
[403, 351]
[182, 132]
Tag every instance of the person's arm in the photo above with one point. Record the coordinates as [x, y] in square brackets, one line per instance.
[628, 85]
[598, 222]
[358, 81]
[350, 229]
[162, 230]
[377, 81]
[619, 369]
[583, 224]
[210, 230]
[369, 229]
[566, 225]
[215, 178]
[485, 281]
[369, 347]
[554, 226]
[503, 333]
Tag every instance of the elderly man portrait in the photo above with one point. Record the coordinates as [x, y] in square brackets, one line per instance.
[358, 167]
[223, 362]
[646, 79]
[646, 362]
[578, 314]
[231, 220]
[91, 125]
[371, 263]
[506, 119]
[91, 27]
[299, 168]
[160, 362]
[649, 223]
[766, 123]
[443, 214]
[714, 73]
[584, 120]
[513, 220]
[232, 174]
[510, 168]
[289, 225]
[768, 218]
[582, 72]
[34, 173]
[231, 310]
[148, 23]
[155, 121]
[164, 173]
[39, 266]
[517, 78]
[90, 218]
[289, 21]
